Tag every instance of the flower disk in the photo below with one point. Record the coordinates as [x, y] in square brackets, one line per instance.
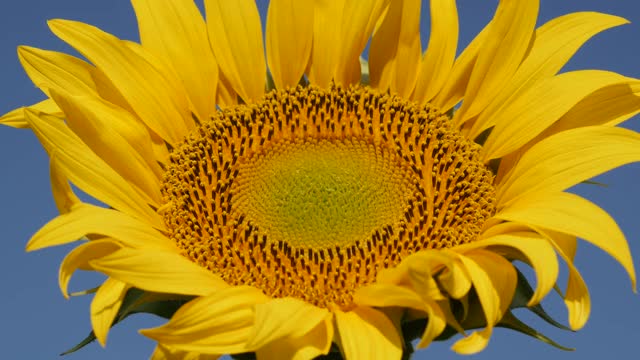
[310, 193]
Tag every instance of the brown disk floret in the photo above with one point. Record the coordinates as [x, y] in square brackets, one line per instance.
[310, 193]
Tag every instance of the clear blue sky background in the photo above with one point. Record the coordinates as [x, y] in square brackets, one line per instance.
[38, 323]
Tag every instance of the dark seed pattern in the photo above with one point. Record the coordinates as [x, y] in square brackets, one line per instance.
[449, 193]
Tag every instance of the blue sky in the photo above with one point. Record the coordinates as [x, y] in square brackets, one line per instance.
[38, 323]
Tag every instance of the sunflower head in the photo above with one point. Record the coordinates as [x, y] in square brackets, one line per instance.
[311, 192]
[346, 206]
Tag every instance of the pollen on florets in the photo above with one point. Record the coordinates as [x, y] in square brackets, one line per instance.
[310, 193]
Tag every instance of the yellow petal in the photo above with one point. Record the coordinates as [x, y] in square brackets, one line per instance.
[55, 70]
[530, 248]
[387, 295]
[105, 306]
[159, 271]
[394, 54]
[438, 60]
[494, 279]
[366, 333]
[86, 219]
[554, 44]
[327, 44]
[226, 95]
[608, 106]
[289, 39]
[95, 122]
[122, 119]
[164, 353]
[176, 32]
[15, 118]
[568, 158]
[79, 258]
[417, 272]
[355, 31]
[286, 317]
[309, 346]
[147, 90]
[571, 214]
[455, 279]
[576, 297]
[506, 45]
[108, 92]
[88, 171]
[63, 195]
[340, 32]
[540, 106]
[235, 33]
[216, 324]
[436, 323]
[567, 243]
[455, 85]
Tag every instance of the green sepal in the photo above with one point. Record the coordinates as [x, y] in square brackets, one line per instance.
[523, 294]
[85, 292]
[333, 354]
[591, 182]
[86, 341]
[135, 302]
[511, 322]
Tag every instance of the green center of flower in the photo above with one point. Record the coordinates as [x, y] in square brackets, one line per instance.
[320, 193]
[310, 193]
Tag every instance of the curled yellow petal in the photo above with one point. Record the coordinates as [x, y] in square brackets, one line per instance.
[531, 248]
[308, 346]
[574, 215]
[220, 323]
[366, 333]
[286, 317]
[494, 280]
[80, 257]
[63, 195]
[165, 353]
[576, 296]
[105, 306]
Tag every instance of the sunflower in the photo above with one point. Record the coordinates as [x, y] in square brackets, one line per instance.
[308, 202]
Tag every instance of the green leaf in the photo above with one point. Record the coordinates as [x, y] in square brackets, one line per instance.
[510, 321]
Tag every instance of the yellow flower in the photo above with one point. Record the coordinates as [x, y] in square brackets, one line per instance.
[333, 201]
